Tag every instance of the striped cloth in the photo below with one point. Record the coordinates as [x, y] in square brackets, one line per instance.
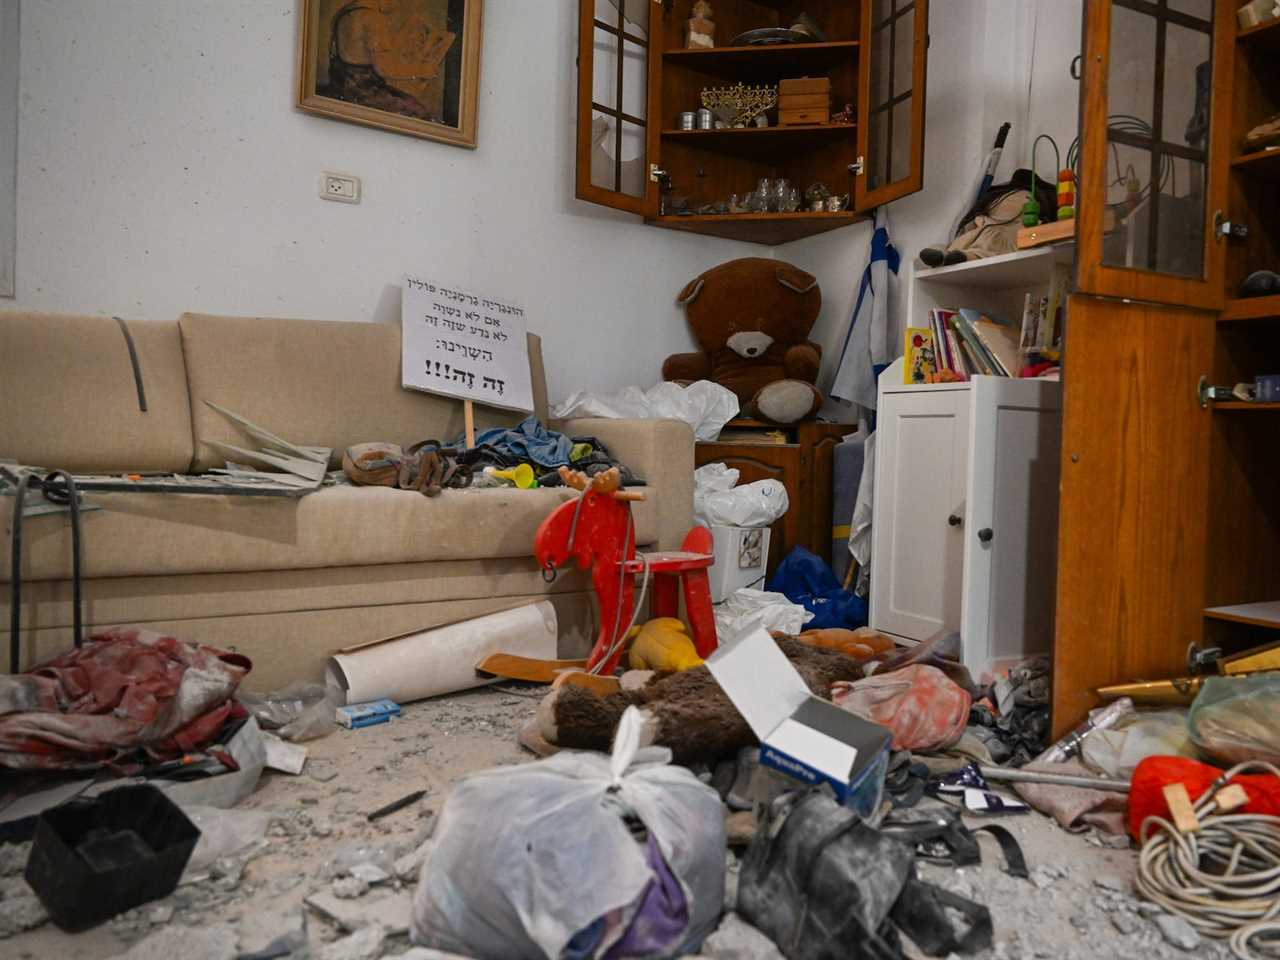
[868, 346]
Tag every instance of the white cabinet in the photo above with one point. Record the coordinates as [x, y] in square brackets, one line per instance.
[965, 516]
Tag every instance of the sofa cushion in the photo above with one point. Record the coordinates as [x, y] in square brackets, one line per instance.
[70, 401]
[318, 383]
[139, 534]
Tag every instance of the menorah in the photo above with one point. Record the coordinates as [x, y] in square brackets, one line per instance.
[739, 103]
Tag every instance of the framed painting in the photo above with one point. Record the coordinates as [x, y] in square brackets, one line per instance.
[411, 66]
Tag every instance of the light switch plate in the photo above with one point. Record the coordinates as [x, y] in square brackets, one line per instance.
[342, 187]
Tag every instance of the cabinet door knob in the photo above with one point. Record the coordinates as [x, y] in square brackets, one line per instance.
[985, 534]
[954, 520]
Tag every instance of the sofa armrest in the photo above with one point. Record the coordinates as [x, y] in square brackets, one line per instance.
[659, 451]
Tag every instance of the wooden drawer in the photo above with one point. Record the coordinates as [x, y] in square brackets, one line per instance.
[804, 101]
[803, 85]
[809, 115]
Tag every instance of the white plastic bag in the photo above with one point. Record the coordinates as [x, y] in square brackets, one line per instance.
[773, 610]
[526, 857]
[717, 502]
[704, 405]
[1116, 751]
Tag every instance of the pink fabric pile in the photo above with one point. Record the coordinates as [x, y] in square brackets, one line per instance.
[926, 711]
[122, 692]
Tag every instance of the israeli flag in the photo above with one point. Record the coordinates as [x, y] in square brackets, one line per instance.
[868, 346]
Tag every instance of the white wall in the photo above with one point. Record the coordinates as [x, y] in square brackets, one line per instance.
[163, 168]
[8, 140]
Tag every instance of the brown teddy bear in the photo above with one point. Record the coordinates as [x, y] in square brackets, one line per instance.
[752, 318]
[686, 711]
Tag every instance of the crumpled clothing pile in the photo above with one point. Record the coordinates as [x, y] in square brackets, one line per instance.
[544, 450]
[1018, 730]
[125, 695]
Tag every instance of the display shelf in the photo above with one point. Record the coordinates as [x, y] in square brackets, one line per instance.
[1263, 164]
[1025, 268]
[767, 228]
[768, 62]
[1265, 614]
[1264, 36]
[1251, 310]
[1241, 406]
[763, 143]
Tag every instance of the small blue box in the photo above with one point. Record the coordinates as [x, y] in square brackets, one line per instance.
[358, 715]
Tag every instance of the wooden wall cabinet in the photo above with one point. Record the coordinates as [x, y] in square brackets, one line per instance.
[635, 78]
[1170, 508]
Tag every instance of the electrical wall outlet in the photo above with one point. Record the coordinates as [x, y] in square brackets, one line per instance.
[341, 187]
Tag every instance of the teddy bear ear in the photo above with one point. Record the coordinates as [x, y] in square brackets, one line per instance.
[793, 278]
[690, 292]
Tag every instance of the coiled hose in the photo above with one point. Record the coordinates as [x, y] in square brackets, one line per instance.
[1224, 877]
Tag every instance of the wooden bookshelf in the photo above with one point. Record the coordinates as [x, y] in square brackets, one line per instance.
[1244, 406]
[1265, 615]
[1251, 309]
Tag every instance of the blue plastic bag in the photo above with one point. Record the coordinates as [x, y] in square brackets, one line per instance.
[804, 578]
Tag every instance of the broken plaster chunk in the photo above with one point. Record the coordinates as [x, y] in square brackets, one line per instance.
[735, 939]
[1111, 882]
[370, 873]
[217, 941]
[391, 911]
[13, 858]
[349, 888]
[160, 915]
[1042, 878]
[269, 933]
[1177, 931]
[322, 771]
[1126, 923]
[364, 944]
[21, 913]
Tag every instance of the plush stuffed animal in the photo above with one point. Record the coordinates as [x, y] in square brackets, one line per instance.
[752, 318]
[686, 711]
[662, 644]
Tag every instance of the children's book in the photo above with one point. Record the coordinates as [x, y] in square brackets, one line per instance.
[921, 360]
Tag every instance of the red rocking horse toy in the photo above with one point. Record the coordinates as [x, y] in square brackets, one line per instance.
[596, 529]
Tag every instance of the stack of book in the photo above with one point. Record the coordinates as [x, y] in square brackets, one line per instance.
[969, 343]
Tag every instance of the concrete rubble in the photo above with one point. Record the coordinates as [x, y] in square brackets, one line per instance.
[284, 894]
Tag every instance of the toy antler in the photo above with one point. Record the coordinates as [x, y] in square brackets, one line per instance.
[607, 482]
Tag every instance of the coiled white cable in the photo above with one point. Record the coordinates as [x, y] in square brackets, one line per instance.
[1224, 877]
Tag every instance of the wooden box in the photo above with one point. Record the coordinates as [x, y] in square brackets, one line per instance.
[804, 100]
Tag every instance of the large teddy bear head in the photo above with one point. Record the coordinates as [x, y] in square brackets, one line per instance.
[751, 318]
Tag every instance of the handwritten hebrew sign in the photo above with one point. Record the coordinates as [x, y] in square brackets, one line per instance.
[464, 345]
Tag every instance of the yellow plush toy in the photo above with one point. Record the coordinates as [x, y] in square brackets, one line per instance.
[662, 644]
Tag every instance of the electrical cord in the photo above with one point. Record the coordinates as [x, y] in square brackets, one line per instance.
[1224, 877]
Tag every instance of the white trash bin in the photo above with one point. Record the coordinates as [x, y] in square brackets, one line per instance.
[741, 555]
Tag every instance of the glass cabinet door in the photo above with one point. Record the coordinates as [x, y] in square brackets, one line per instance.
[1154, 117]
[615, 62]
[894, 47]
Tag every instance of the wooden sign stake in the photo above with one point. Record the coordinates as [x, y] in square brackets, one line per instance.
[469, 421]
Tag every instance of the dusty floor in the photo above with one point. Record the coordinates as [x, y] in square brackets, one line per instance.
[1077, 905]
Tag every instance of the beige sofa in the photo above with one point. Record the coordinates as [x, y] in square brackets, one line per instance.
[284, 581]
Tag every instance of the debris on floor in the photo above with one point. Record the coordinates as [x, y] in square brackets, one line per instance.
[298, 867]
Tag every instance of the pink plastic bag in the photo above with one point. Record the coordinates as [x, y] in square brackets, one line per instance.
[926, 711]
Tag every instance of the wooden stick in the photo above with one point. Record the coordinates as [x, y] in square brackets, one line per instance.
[469, 419]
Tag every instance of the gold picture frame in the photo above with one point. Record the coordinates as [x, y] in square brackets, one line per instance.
[409, 66]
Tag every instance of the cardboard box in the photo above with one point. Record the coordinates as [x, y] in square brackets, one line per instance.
[807, 738]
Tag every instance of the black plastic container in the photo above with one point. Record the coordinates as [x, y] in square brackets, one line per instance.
[93, 858]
